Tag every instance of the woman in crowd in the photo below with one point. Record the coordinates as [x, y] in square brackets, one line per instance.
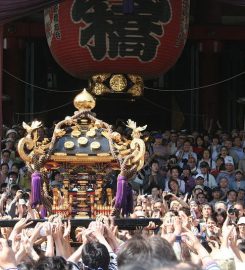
[198, 148]
[220, 216]
[4, 170]
[206, 156]
[219, 166]
[187, 178]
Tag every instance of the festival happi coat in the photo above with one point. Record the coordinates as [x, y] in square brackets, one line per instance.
[81, 140]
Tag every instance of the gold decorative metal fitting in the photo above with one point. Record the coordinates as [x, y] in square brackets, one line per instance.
[118, 82]
[104, 83]
[84, 101]
[84, 139]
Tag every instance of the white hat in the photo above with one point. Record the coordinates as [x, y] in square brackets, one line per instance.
[241, 221]
[229, 160]
[22, 202]
[11, 131]
[199, 175]
[198, 187]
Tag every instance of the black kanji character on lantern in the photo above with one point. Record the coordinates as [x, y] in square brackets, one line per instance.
[110, 33]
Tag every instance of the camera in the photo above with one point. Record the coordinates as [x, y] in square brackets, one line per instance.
[184, 161]
[178, 238]
[26, 196]
[233, 211]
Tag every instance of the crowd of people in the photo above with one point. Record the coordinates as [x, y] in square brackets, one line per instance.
[192, 181]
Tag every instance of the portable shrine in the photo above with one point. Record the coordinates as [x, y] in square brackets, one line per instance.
[82, 148]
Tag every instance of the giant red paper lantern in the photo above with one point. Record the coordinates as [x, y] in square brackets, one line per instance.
[94, 36]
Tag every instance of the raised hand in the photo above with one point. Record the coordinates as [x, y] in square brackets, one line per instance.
[36, 232]
[98, 230]
[21, 224]
[67, 230]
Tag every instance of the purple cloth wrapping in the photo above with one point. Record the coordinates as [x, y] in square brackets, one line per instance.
[130, 200]
[36, 186]
[128, 6]
[43, 212]
[124, 196]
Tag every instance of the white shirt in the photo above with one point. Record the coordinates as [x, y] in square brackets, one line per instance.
[209, 180]
[181, 186]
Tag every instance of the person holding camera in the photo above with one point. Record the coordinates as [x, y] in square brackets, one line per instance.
[209, 180]
[231, 198]
[240, 208]
[188, 179]
[185, 153]
[241, 229]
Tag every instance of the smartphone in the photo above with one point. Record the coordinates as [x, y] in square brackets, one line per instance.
[193, 214]
[178, 238]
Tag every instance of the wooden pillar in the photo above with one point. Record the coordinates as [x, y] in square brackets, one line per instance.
[210, 73]
[14, 89]
[1, 82]
[209, 13]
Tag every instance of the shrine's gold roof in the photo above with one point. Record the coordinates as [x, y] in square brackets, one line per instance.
[82, 138]
[84, 101]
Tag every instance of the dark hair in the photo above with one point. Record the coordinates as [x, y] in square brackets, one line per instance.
[204, 164]
[208, 204]
[215, 137]
[4, 164]
[241, 246]
[16, 165]
[201, 192]
[25, 266]
[54, 174]
[221, 158]
[172, 180]
[13, 173]
[95, 255]
[186, 210]
[200, 137]
[4, 185]
[54, 263]
[136, 249]
[6, 151]
[224, 147]
[220, 212]
[175, 168]
[15, 187]
[231, 190]
[187, 141]
[186, 167]
[161, 249]
[229, 139]
[213, 218]
[154, 161]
